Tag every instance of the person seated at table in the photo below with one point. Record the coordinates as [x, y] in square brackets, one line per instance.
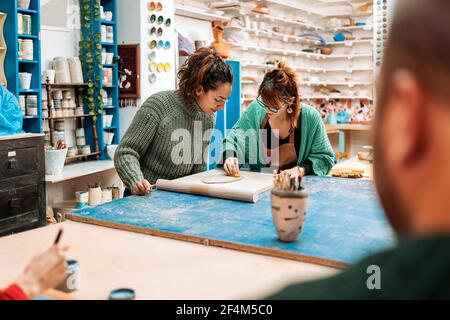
[45, 271]
[296, 139]
[412, 153]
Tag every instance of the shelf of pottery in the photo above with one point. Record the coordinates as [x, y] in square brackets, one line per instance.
[62, 109]
[330, 47]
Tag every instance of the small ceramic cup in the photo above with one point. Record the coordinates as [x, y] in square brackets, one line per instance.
[72, 282]
[289, 213]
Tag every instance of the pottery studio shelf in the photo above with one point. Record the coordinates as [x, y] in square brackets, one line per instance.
[69, 117]
[81, 156]
[197, 13]
[294, 53]
[76, 170]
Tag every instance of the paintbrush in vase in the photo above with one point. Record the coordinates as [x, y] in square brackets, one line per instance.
[286, 182]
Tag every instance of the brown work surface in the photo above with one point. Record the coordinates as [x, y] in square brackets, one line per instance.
[155, 267]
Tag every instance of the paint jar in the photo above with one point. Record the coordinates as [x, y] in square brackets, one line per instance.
[107, 120]
[109, 57]
[57, 94]
[122, 294]
[19, 23]
[109, 34]
[289, 213]
[115, 193]
[72, 282]
[108, 15]
[71, 152]
[79, 111]
[22, 104]
[106, 195]
[95, 196]
[57, 104]
[62, 70]
[32, 106]
[102, 13]
[48, 76]
[108, 137]
[80, 137]
[24, 80]
[110, 101]
[27, 49]
[86, 149]
[103, 33]
[58, 136]
[20, 48]
[76, 73]
[47, 137]
[23, 4]
[81, 199]
[59, 125]
[67, 95]
[58, 113]
[26, 24]
[65, 104]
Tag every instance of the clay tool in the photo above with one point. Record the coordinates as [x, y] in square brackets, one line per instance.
[58, 236]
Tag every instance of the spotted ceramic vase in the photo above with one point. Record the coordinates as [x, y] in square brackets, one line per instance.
[289, 213]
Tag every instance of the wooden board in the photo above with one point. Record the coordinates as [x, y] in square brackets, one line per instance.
[344, 223]
[248, 188]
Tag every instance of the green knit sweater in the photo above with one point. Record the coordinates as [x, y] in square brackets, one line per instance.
[314, 145]
[147, 146]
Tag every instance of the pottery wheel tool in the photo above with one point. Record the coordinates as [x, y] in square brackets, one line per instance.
[220, 179]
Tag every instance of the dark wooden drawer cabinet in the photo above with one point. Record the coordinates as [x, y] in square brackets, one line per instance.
[22, 183]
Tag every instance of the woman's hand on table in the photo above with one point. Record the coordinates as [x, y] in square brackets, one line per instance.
[231, 166]
[295, 172]
[141, 188]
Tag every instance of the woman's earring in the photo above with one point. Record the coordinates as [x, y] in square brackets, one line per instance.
[289, 110]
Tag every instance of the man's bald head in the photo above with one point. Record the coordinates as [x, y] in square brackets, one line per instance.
[412, 126]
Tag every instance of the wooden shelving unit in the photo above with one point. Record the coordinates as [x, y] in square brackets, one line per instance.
[78, 90]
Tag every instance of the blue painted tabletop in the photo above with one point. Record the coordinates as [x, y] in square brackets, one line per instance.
[345, 221]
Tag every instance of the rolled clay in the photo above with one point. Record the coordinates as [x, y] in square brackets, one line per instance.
[220, 179]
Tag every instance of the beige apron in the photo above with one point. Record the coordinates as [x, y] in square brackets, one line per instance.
[287, 155]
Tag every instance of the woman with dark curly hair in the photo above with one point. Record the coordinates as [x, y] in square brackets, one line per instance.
[151, 148]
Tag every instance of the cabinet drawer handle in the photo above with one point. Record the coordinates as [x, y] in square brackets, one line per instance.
[12, 164]
[14, 203]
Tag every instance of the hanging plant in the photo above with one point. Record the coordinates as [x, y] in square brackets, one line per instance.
[90, 53]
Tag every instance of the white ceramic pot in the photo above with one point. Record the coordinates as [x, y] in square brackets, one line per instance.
[23, 4]
[54, 161]
[24, 80]
[48, 76]
[289, 213]
[95, 196]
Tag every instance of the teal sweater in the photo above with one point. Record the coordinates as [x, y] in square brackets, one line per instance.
[314, 144]
[146, 148]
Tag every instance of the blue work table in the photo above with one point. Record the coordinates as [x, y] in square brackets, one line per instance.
[344, 221]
